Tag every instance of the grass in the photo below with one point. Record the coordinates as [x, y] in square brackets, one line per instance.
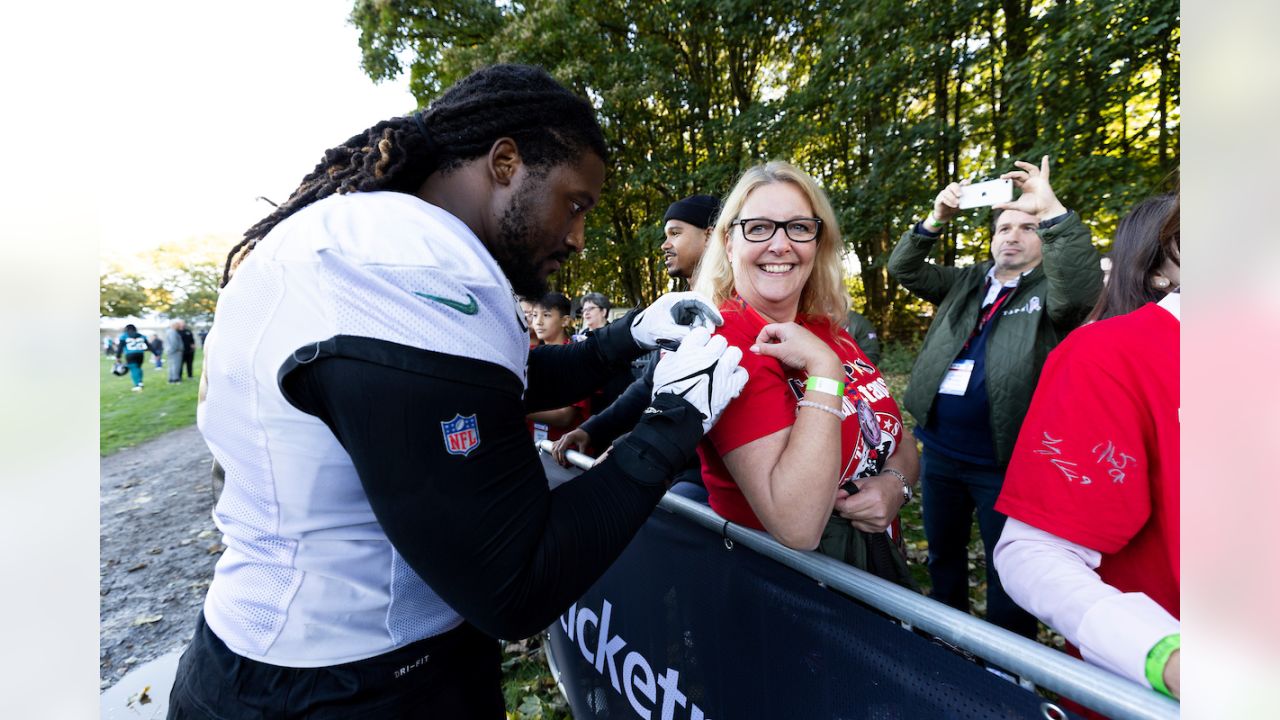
[127, 418]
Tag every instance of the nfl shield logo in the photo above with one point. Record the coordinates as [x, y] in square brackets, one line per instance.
[461, 434]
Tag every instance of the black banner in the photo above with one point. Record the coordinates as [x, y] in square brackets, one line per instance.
[683, 626]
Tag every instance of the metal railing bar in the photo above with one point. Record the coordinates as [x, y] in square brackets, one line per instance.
[1088, 685]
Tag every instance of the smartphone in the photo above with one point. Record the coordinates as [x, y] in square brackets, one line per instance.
[985, 193]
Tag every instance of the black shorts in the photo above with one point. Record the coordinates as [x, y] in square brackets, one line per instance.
[454, 675]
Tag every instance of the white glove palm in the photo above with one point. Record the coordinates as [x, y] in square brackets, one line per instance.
[670, 318]
[704, 371]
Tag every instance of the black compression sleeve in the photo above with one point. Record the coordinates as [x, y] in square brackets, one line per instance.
[482, 528]
[561, 375]
[621, 415]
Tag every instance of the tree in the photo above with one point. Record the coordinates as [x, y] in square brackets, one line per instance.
[176, 280]
[121, 296]
[883, 101]
[185, 277]
[192, 292]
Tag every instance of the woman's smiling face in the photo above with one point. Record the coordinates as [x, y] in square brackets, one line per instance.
[771, 275]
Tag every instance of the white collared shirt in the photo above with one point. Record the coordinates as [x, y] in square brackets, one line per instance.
[994, 286]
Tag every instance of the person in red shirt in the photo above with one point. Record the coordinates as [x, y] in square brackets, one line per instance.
[1092, 493]
[815, 419]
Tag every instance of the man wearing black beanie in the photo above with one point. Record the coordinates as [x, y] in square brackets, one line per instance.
[686, 228]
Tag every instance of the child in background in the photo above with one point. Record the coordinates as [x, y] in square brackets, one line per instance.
[551, 316]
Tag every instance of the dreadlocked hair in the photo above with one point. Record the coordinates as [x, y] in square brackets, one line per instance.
[549, 124]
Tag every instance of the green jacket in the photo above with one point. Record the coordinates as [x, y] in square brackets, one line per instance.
[1049, 302]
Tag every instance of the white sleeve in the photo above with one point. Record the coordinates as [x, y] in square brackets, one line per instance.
[1054, 580]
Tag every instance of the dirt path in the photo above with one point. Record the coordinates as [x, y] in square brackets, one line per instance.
[158, 548]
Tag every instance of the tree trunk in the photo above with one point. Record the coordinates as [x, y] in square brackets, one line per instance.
[997, 138]
[1017, 90]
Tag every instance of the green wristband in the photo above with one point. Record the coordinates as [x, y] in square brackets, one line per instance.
[1158, 658]
[824, 385]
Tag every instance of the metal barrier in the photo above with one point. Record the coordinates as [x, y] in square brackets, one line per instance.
[1087, 685]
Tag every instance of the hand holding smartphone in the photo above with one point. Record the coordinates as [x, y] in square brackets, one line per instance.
[985, 194]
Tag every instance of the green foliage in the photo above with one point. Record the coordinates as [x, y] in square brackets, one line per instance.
[189, 291]
[884, 102]
[121, 295]
[127, 418]
[176, 280]
[895, 362]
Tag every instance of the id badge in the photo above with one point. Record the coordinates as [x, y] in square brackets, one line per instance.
[957, 378]
[539, 433]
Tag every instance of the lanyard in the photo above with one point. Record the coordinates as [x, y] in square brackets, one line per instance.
[986, 315]
[992, 308]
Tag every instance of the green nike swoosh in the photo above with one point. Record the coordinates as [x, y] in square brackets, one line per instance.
[470, 308]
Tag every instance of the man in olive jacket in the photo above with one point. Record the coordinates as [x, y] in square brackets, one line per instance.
[995, 323]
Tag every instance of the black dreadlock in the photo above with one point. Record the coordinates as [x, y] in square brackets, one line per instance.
[549, 123]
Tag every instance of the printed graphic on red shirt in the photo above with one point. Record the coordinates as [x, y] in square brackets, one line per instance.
[869, 435]
[1097, 461]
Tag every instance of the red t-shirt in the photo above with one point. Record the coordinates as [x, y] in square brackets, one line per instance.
[868, 436]
[1097, 461]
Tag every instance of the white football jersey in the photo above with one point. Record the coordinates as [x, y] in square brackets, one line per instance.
[308, 577]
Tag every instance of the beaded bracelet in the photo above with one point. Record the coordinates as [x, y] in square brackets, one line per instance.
[820, 406]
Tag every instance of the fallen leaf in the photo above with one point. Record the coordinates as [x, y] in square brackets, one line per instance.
[146, 620]
[155, 551]
[142, 698]
[216, 548]
[530, 706]
[139, 566]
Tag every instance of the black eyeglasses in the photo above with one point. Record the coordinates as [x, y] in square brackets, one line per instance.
[801, 230]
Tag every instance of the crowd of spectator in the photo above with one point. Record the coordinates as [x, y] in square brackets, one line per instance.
[1019, 412]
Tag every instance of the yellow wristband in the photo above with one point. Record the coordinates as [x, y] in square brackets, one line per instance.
[1158, 658]
[824, 385]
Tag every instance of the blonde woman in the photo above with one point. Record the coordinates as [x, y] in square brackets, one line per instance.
[815, 420]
